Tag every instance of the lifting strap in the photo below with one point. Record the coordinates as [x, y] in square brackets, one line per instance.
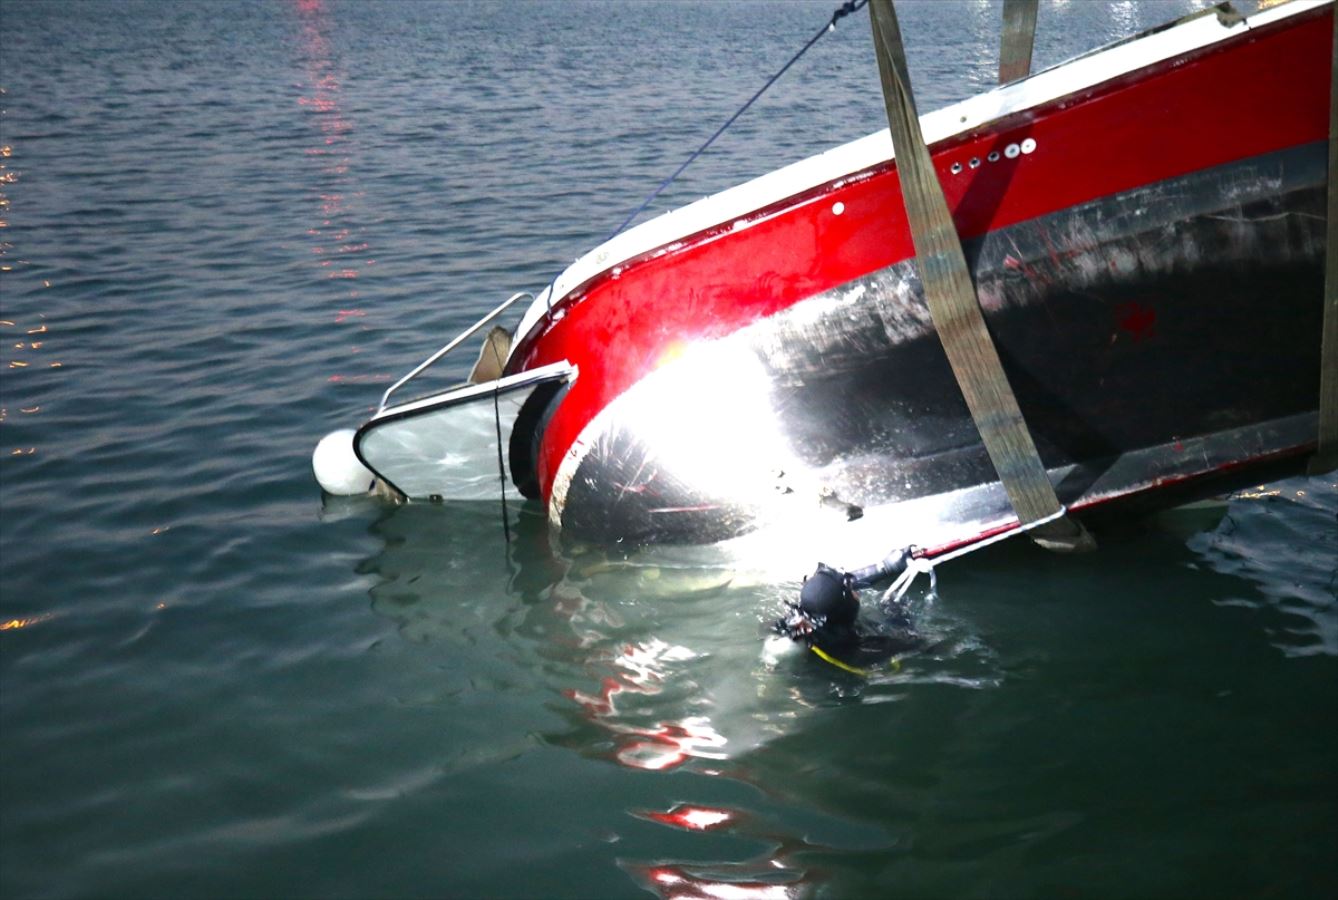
[1019, 35]
[1326, 451]
[955, 311]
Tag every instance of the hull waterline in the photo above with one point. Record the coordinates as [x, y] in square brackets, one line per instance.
[1145, 227]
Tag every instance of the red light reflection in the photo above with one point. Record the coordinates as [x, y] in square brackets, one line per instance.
[692, 818]
[340, 252]
[675, 882]
[661, 745]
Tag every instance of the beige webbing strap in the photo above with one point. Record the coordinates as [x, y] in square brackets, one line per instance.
[1019, 36]
[1326, 453]
[954, 309]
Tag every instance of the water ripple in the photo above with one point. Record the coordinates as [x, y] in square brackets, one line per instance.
[226, 228]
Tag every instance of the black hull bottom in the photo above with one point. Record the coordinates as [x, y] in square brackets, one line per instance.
[1159, 336]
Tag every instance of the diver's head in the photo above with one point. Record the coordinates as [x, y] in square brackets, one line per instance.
[829, 595]
[827, 601]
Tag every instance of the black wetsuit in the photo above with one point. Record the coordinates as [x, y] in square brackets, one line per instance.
[826, 618]
[862, 646]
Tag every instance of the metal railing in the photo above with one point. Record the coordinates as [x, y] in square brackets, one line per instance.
[457, 341]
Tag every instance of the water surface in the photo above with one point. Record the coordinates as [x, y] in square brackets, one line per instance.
[229, 226]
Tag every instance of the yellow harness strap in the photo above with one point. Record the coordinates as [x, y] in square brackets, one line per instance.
[894, 665]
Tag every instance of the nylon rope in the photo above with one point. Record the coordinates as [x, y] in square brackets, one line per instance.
[845, 9]
[841, 12]
[501, 469]
[489, 346]
[929, 565]
[925, 565]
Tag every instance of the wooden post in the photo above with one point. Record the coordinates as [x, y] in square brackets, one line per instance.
[1019, 36]
[1326, 453]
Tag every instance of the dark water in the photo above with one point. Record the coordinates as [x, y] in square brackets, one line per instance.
[228, 226]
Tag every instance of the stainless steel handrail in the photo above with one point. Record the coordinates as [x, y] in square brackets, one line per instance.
[459, 339]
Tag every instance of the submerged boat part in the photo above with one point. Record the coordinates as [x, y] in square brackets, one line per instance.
[451, 445]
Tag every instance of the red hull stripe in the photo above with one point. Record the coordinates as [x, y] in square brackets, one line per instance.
[1262, 92]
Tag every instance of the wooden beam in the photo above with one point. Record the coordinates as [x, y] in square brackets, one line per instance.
[1326, 453]
[1019, 36]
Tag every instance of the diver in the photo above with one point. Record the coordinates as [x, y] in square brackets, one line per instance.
[826, 618]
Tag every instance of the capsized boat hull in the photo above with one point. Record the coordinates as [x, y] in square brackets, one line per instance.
[1145, 226]
[1148, 252]
[1166, 340]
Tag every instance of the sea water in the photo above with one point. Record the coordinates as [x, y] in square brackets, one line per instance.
[229, 226]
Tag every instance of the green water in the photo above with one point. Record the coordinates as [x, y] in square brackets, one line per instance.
[228, 227]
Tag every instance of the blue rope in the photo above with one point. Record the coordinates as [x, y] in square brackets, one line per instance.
[841, 12]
